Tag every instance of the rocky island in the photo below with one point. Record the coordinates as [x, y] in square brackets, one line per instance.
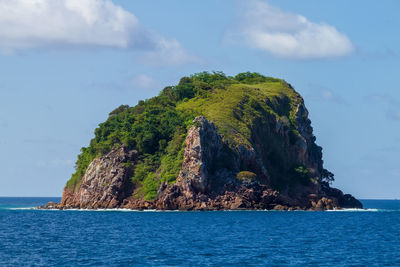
[212, 142]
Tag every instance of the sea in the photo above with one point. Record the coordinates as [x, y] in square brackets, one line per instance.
[31, 237]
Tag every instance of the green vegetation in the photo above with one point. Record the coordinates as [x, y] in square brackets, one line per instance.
[327, 177]
[235, 109]
[303, 175]
[246, 176]
[150, 128]
[157, 127]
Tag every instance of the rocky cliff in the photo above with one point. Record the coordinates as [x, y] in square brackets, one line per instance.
[249, 146]
[106, 182]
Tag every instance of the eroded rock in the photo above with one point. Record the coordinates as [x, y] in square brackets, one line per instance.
[106, 182]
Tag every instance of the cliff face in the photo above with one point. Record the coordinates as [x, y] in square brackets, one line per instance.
[257, 153]
[199, 185]
[106, 182]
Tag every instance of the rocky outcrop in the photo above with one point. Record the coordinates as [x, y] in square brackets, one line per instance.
[203, 146]
[105, 184]
[343, 200]
[248, 196]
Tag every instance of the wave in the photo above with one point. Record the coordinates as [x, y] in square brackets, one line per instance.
[107, 210]
[154, 210]
[20, 208]
[357, 210]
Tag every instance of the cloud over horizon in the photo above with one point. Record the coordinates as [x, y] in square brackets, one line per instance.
[30, 24]
[286, 35]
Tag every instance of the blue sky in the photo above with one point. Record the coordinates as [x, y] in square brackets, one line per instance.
[65, 64]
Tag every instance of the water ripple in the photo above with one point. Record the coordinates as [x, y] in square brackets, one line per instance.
[244, 238]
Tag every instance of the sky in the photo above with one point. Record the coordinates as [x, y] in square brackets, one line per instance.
[65, 64]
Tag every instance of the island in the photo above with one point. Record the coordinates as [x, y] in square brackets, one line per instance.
[212, 142]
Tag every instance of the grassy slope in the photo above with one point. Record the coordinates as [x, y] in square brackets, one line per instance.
[234, 109]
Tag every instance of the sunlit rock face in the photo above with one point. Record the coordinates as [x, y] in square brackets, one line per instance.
[105, 184]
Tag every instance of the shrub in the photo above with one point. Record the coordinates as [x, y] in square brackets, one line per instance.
[246, 176]
[303, 175]
[327, 176]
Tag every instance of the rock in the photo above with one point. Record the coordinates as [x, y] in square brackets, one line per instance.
[323, 204]
[202, 147]
[280, 207]
[348, 201]
[51, 205]
[105, 184]
[343, 200]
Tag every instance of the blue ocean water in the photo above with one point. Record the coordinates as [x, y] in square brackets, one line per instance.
[234, 238]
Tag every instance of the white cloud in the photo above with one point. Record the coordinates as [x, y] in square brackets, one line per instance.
[169, 52]
[144, 81]
[385, 99]
[27, 24]
[320, 93]
[36, 23]
[288, 35]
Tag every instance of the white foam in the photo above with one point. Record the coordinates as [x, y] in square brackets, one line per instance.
[154, 210]
[22, 208]
[111, 210]
[356, 210]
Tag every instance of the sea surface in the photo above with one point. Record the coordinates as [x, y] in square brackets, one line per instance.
[31, 237]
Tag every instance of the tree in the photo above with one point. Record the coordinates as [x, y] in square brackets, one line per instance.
[119, 109]
[327, 176]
